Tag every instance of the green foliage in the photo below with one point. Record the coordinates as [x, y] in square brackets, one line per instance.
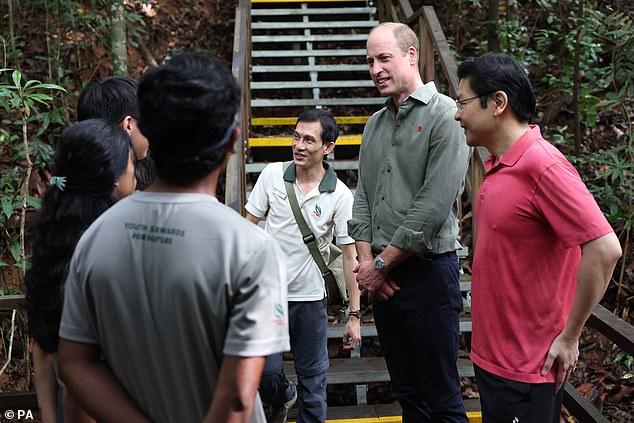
[21, 99]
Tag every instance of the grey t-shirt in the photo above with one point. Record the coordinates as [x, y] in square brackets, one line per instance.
[168, 283]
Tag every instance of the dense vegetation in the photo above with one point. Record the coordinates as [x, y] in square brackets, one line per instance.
[579, 53]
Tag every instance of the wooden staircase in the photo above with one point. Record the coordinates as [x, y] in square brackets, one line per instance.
[308, 54]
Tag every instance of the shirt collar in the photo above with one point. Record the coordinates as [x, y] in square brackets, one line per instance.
[518, 149]
[327, 184]
[424, 94]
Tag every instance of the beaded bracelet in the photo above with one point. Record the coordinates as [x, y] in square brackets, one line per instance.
[354, 314]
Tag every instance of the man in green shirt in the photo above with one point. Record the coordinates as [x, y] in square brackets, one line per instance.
[412, 165]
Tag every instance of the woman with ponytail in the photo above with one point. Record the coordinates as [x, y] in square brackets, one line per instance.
[93, 168]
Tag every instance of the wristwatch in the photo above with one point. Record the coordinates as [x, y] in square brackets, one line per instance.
[379, 264]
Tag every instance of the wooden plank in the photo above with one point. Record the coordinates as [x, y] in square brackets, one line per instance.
[10, 302]
[348, 25]
[427, 60]
[319, 11]
[335, 331]
[364, 370]
[18, 400]
[286, 141]
[277, 85]
[614, 328]
[381, 413]
[306, 1]
[275, 121]
[308, 38]
[352, 101]
[582, 410]
[307, 53]
[235, 175]
[337, 165]
[442, 47]
[406, 7]
[308, 68]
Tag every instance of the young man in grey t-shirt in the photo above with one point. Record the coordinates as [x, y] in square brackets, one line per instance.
[180, 295]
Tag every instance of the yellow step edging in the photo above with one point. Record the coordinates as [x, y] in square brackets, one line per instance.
[473, 416]
[306, 1]
[286, 141]
[274, 121]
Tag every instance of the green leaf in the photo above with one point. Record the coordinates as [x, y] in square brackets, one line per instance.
[14, 247]
[7, 206]
[40, 98]
[34, 202]
[17, 78]
[49, 87]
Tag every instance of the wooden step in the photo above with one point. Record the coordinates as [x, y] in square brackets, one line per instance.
[308, 38]
[308, 53]
[336, 165]
[279, 85]
[301, 102]
[305, 1]
[364, 370]
[18, 400]
[290, 120]
[319, 11]
[287, 142]
[341, 25]
[382, 413]
[335, 331]
[306, 68]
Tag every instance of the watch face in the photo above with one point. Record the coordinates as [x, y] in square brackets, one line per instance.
[379, 264]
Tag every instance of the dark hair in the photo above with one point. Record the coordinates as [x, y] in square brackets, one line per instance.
[91, 155]
[498, 71]
[111, 99]
[188, 106]
[329, 128]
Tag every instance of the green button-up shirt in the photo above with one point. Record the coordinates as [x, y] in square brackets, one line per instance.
[412, 164]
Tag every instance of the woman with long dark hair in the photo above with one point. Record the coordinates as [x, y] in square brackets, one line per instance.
[93, 168]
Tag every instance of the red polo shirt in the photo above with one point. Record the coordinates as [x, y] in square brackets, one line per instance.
[532, 214]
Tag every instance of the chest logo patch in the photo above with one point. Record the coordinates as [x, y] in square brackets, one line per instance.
[317, 211]
[420, 128]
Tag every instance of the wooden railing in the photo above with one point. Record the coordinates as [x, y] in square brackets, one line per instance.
[434, 44]
[235, 175]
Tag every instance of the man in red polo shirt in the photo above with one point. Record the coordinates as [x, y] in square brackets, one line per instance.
[544, 255]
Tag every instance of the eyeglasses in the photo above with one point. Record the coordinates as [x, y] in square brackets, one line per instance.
[460, 103]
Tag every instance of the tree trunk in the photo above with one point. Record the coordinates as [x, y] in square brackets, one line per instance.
[493, 43]
[119, 39]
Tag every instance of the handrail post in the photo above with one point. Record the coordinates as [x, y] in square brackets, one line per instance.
[235, 174]
[427, 61]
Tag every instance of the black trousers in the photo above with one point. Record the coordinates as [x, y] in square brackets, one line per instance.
[507, 401]
[419, 328]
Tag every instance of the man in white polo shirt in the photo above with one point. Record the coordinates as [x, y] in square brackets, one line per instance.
[326, 204]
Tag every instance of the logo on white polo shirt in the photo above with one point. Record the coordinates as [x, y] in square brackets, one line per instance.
[278, 313]
[317, 211]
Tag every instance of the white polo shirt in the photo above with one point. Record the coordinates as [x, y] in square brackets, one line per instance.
[326, 209]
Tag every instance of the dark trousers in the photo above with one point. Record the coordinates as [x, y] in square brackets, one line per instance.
[419, 328]
[308, 323]
[506, 401]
